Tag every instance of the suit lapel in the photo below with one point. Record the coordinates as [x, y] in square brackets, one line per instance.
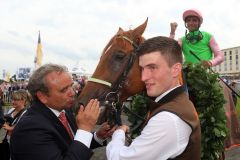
[47, 113]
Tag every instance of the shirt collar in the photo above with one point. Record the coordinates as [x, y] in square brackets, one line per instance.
[56, 112]
[165, 93]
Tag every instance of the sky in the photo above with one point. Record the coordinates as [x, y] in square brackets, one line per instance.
[74, 32]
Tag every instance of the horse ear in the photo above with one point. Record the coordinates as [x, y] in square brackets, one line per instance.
[137, 32]
[120, 30]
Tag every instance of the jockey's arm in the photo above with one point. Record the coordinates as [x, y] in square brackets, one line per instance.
[173, 27]
[218, 54]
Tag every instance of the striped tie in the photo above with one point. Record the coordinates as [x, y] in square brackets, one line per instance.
[62, 117]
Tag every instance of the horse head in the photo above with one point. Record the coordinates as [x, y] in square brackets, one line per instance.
[117, 75]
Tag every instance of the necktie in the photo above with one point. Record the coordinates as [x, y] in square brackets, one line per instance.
[62, 117]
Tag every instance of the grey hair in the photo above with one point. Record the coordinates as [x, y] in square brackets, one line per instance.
[37, 81]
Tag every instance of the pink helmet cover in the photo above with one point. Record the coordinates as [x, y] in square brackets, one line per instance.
[193, 12]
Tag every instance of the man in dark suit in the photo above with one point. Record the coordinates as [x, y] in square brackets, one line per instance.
[40, 135]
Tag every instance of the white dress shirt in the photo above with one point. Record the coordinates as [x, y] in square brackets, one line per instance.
[165, 136]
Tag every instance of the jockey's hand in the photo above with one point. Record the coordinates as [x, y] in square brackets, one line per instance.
[105, 131]
[173, 26]
[206, 64]
[124, 127]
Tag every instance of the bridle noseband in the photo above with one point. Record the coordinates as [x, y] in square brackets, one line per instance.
[91, 79]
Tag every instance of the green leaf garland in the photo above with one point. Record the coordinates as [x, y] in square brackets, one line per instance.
[207, 96]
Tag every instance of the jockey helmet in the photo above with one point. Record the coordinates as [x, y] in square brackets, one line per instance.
[193, 12]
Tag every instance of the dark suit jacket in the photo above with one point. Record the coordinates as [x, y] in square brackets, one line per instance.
[39, 135]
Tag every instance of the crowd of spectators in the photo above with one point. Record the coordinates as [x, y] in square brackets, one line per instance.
[9, 87]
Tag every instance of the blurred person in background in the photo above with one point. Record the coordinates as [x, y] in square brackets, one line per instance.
[20, 101]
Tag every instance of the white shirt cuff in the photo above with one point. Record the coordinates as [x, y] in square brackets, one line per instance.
[99, 140]
[119, 136]
[84, 137]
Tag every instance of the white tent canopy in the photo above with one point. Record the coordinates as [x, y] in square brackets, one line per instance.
[79, 70]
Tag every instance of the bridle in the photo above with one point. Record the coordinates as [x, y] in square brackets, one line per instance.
[118, 85]
[111, 99]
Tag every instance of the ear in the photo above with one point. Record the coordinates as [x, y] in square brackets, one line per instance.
[120, 30]
[176, 69]
[137, 32]
[42, 97]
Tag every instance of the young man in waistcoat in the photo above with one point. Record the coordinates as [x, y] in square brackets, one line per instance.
[172, 130]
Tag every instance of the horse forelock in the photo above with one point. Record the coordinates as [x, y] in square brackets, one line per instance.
[109, 44]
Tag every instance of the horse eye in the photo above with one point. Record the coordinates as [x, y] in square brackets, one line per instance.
[120, 55]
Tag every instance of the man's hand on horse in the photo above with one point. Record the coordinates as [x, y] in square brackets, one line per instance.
[105, 131]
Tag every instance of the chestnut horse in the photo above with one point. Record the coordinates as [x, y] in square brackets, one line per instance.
[117, 75]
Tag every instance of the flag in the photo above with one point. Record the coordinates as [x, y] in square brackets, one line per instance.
[7, 78]
[39, 54]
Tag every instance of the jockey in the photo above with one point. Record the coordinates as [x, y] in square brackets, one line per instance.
[197, 45]
[201, 47]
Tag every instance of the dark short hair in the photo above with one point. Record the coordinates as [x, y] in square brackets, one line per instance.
[168, 48]
[37, 81]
